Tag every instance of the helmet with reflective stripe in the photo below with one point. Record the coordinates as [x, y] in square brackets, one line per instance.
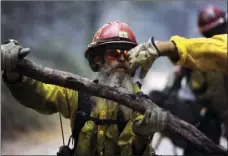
[210, 18]
[113, 33]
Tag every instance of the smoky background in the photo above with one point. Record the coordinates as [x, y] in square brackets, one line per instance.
[58, 33]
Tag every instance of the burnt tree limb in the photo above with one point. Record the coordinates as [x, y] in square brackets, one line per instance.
[140, 104]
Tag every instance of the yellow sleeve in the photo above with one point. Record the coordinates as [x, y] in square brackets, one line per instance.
[44, 98]
[205, 54]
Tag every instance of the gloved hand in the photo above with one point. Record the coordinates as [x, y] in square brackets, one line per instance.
[154, 121]
[11, 52]
[143, 55]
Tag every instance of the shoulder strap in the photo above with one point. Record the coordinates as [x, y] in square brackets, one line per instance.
[84, 106]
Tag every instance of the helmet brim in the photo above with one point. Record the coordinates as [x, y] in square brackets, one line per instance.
[120, 44]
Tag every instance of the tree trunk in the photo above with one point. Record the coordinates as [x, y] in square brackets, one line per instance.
[140, 104]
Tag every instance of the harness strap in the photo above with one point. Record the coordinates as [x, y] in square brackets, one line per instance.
[98, 121]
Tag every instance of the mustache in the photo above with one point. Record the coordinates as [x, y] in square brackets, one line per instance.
[121, 65]
[107, 71]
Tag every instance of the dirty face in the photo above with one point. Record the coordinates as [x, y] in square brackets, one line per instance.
[114, 69]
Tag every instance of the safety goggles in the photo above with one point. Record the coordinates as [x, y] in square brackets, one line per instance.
[115, 54]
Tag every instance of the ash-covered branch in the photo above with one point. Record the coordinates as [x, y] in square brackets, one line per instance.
[140, 104]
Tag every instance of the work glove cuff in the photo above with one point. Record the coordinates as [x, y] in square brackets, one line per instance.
[152, 48]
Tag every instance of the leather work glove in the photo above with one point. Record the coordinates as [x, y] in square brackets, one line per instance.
[11, 52]
[154, 121]
[143, 56]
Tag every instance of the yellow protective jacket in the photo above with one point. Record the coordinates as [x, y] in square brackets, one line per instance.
[49, 99]
[207, 55]
[204, 54]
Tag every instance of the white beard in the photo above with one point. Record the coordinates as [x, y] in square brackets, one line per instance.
[122, 80]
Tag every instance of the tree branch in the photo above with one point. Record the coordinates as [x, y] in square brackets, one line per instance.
[140, 104]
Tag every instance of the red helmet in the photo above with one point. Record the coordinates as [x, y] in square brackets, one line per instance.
[210, 17]
[112, 33]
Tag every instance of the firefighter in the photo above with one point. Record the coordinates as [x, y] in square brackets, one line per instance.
[206, 54]
[109, 128]
[209, 86]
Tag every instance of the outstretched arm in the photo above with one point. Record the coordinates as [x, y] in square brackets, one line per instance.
[44, 98]
[205, 54]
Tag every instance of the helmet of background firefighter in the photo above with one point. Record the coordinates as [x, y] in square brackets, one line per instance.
[113, 34]
[212, 21]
